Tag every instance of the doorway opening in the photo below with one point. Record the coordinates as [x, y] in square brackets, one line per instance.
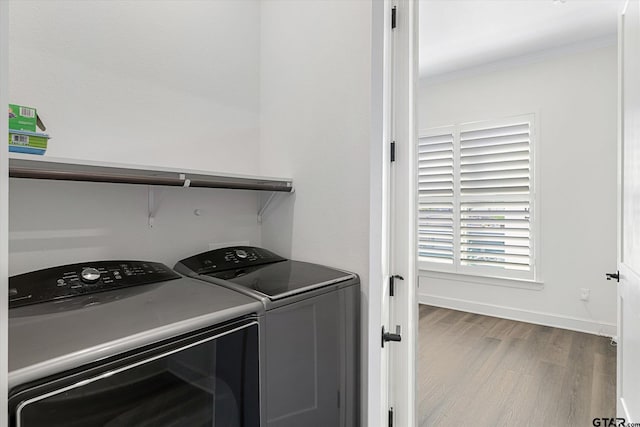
[517, 164]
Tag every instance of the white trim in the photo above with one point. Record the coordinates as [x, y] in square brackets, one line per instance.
[530, 316]
[4, 212]
[404, 310]
[536, 196]
[620, 133]
[495, 122]
[621, 409]
[374, 385]
[515, 61]
[437, 131]
[483, 280]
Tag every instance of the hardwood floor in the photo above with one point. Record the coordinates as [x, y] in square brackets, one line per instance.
[482, 371]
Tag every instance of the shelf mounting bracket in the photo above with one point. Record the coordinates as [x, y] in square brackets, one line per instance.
[152, 206]
[265, 204]
[265, 201]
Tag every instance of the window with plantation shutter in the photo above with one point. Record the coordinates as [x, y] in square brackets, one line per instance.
[435, 193]
[475, 198]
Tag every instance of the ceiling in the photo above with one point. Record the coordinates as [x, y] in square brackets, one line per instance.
[457, 35]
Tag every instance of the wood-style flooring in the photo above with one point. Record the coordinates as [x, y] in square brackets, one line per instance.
[482, 371]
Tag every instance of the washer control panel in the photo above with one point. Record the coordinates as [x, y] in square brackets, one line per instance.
[71, 280]
[229, 259]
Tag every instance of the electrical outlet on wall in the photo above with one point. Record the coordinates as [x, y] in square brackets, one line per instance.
[213, 246]
[584, 294]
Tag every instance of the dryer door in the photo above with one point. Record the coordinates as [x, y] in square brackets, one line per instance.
[206, 380]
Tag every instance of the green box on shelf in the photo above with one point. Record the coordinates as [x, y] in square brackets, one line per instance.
[27, 142]
[22, 118]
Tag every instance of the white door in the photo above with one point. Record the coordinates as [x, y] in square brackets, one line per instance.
[402, 299]
[380, 222]
[391, 396]
[629, 257]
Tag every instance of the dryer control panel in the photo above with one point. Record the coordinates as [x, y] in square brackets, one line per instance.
[72, 280]
[229, 259]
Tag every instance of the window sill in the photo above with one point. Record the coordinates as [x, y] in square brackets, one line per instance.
[533, 285]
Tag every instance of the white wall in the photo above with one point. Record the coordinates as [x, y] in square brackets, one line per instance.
[171, 83]
[163, 83]
[315, 85]
[4, 214]
[54, 222]
[315, 127]
[574, 99]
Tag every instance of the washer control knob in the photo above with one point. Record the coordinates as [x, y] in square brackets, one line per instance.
[90, 275]
[241, 254]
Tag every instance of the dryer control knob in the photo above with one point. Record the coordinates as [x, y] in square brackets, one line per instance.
[90, 275]
[241, 254]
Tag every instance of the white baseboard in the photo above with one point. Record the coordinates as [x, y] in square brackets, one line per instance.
[529, 316]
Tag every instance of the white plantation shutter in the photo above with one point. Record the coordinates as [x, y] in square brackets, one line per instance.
[435, 198]
[495, 184]
[495, 234]
[495, 160]
[487, 204]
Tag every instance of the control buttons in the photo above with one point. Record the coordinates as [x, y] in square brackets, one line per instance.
[241, 254]
[90, 275]
[72, 280]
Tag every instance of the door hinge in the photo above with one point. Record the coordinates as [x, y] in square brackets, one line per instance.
[391, 417]
[392, 284]
[615, 275]
[388, 336]
[393, 151]
[393, 17]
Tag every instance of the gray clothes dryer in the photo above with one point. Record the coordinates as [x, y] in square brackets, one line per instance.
[311, 334]
[123, 343]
